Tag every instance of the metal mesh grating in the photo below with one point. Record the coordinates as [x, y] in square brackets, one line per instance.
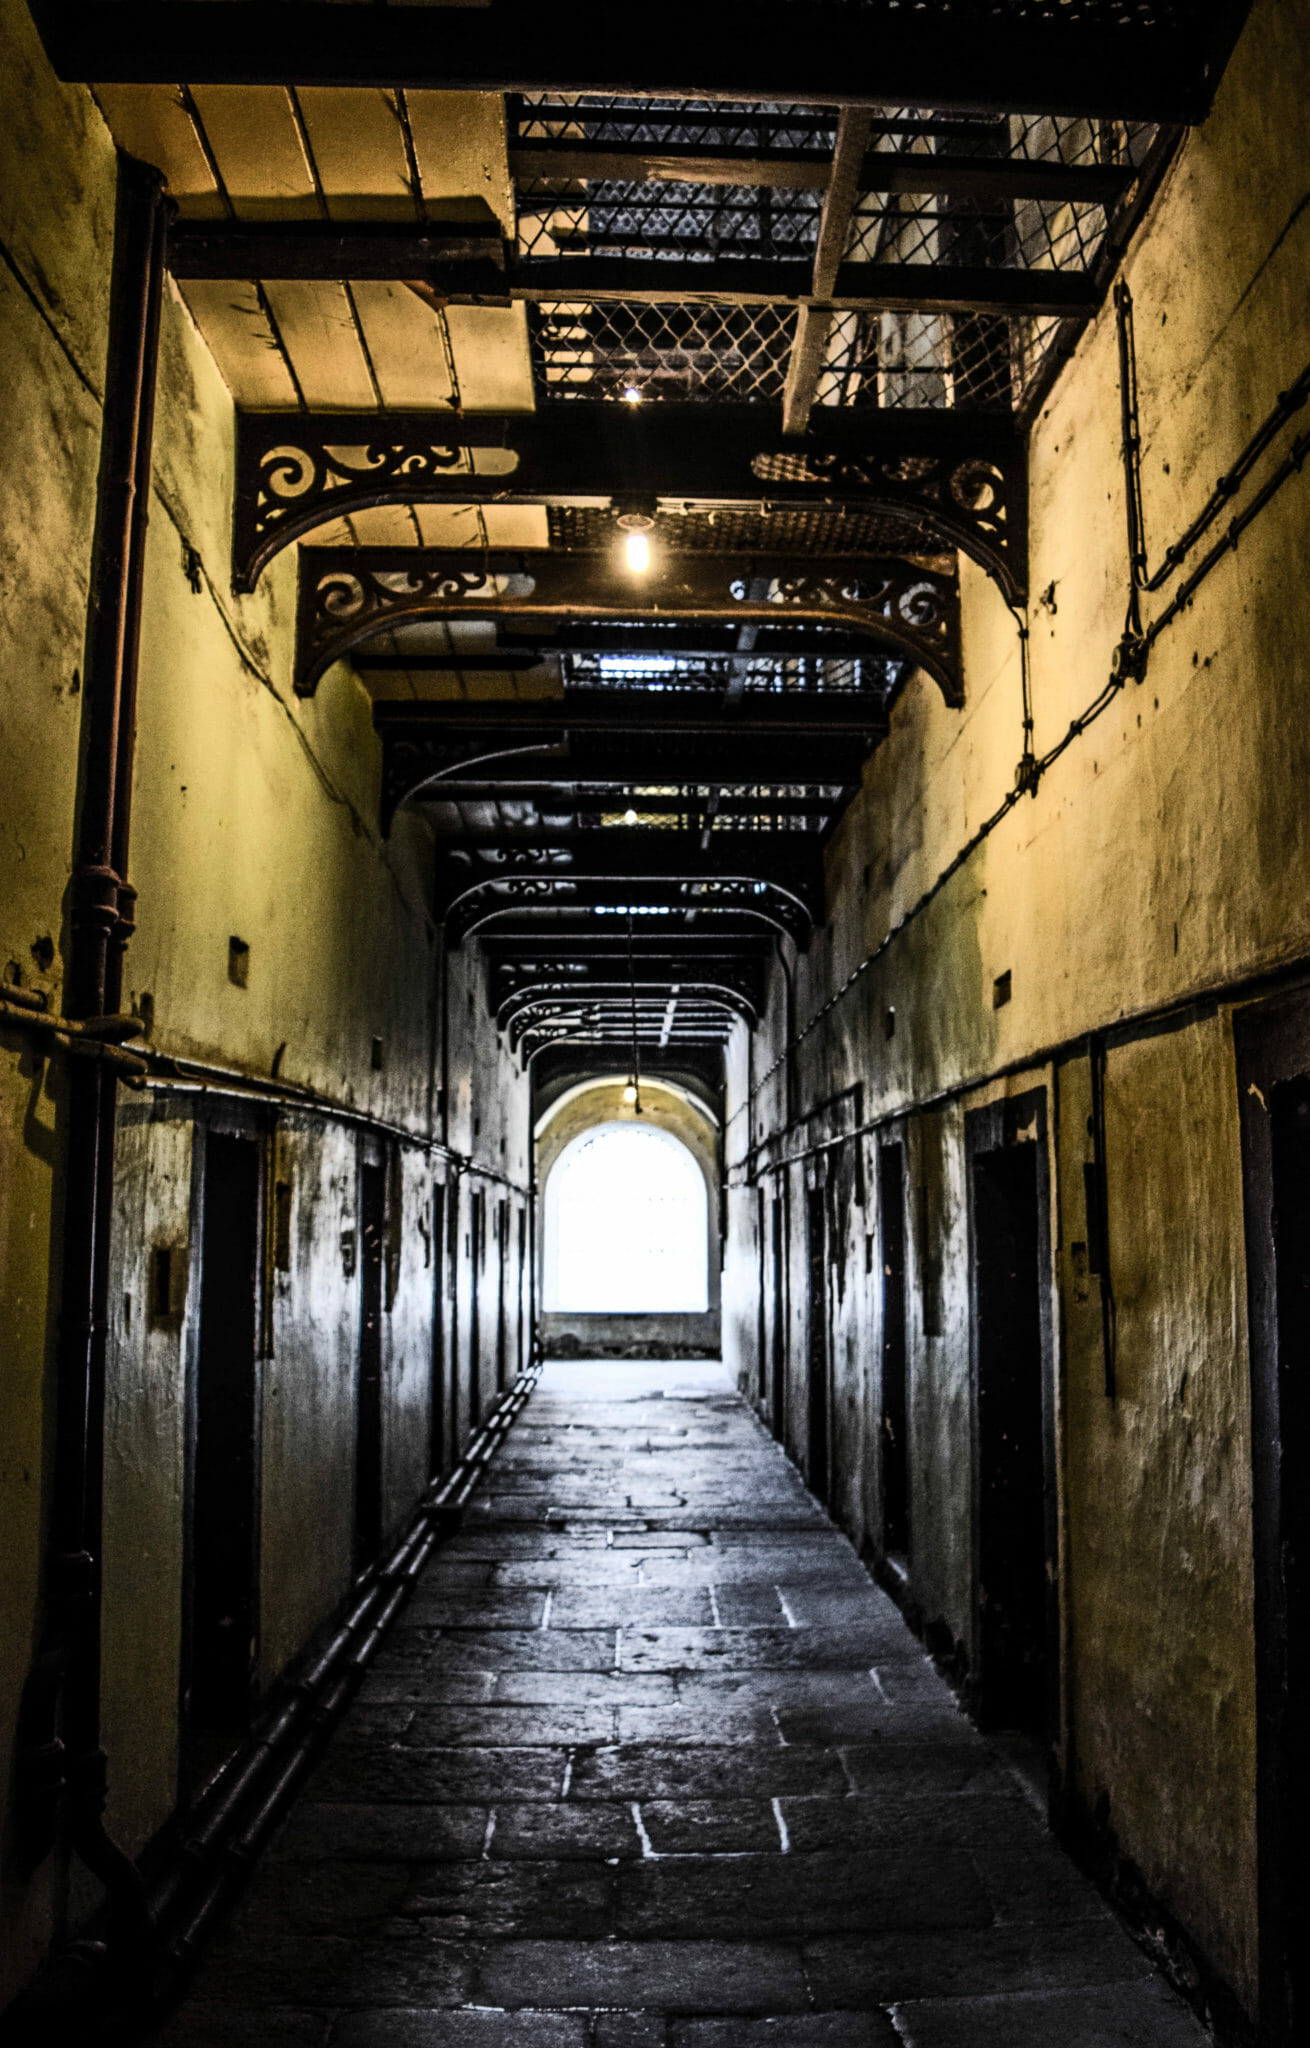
[690, 807]
[806, 530]
[761, 675]
[626, 348]
[1037, 234]
[952, 361]
[1022, 234]
[697, 223]
[635, 121]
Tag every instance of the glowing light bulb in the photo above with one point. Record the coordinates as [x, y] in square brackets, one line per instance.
[631, 395]
[636, 547]
[629, 816]
[630, 1093]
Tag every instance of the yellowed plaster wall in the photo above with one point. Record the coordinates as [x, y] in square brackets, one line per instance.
[255, 817]
[1157, 1486]
[56, 221]
[1167, 853]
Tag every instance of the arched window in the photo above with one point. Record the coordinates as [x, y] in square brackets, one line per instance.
[627, 1225]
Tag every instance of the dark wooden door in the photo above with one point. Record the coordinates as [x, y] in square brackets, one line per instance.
[1273, 1074]
[894, 1406]
[1290, 1116]
[477, 1236]
[1011, 1503]
[368, 1413]
[224, 1549]
[502, 1281]
[437, 1407]
[779, 1274]
[816, 1215]
[761, 1313]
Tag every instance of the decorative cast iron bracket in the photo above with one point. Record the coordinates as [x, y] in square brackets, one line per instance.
[347, 596]
[791, 862]
[517, 1014]
[675, 895]
[955, 480]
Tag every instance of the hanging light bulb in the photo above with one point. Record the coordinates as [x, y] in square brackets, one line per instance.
[629, 816]
[631, 395]
[635, 516]
[630, 1093]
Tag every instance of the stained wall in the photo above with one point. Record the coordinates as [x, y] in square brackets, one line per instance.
[345, 1032]
[1158, 872]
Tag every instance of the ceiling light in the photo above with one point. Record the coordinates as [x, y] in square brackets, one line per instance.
[629, 816]
[631, 395]
[630, 1093]
[636, 548]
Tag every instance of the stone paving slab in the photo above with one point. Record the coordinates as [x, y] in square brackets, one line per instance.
[650, 1762]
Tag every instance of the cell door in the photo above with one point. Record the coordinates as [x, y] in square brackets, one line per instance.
[368, 1412]
[894, 1404]
[761, 1317]
[1273, 1079]
[437, 1395]
[223, 1621]
[778, 1374]
[1011, 1508]
[452, 1326]
[502, 1277]
[520, 1272]
[816, 1214]
[477, 1235]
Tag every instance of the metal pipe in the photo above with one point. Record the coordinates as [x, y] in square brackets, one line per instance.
[63, 1772]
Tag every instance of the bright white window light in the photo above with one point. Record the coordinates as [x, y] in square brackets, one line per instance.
[626, 1225]
[636, 546]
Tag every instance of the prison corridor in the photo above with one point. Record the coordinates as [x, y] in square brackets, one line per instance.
[649, 1761]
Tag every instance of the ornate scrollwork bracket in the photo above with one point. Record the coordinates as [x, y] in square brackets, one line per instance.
[349, 595]
[975, 502]
[955, 481]
[768, 902]
[296, 473]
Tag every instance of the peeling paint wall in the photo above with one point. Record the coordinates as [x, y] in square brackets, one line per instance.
[55, 235]
[1165, 855]
[281, 939]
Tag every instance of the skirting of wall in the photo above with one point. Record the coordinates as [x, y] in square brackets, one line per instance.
[630, 1336]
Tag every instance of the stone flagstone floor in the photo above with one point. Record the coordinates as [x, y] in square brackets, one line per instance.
[649, 1762]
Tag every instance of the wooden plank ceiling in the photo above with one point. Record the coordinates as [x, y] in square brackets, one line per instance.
[261, 153]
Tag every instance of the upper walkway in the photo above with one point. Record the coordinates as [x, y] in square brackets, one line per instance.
[648, 1762]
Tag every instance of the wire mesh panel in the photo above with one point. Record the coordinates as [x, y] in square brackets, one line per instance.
[634, 121]
[957, 361]
[1016, 231]
[655, 218]
[627, 349]
[730, 530]
[756, 674]
[686, 807]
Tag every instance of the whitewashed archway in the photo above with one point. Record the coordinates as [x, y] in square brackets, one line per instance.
[627, 1225]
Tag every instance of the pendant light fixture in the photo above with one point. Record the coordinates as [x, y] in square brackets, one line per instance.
[632, 1093]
